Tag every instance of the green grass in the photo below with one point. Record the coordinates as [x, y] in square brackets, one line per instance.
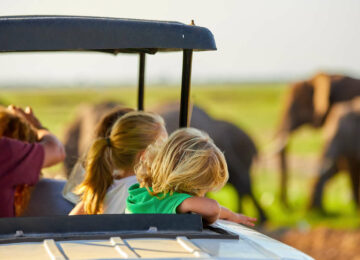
[256, 109]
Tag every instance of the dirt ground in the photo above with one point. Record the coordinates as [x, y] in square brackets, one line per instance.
[325, 244]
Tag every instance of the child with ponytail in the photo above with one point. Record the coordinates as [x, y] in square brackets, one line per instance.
[175, 176]
[77, 175]
[114, 156]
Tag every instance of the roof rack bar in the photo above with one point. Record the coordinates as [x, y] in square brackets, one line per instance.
[185, 88]
[52, 250]
[141, 81]
[191, 247]
[123, 248]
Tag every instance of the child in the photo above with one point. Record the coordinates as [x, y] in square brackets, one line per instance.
[175, 176]
[77, 174]
[113, 157]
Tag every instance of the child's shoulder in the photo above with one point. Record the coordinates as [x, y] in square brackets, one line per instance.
[135, 186]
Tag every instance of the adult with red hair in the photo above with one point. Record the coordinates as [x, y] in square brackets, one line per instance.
[25, 148]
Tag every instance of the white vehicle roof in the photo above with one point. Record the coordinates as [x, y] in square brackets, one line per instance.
[185, 238]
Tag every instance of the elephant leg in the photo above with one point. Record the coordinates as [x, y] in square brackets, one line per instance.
[262, 215]
[283, 178]
[71, 145]
[328, 170]
[240, 204]
[243, 187]
[355, 181]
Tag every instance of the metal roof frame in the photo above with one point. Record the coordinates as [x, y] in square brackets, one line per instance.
[112, 35]
[87, 227]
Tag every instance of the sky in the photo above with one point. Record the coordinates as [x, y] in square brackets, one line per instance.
[257, 40]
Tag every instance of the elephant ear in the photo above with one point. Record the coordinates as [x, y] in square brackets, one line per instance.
[321, 98]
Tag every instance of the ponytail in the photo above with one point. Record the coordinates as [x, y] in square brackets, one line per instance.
[98, 177]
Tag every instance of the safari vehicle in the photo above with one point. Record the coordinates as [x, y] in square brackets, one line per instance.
[124, 236]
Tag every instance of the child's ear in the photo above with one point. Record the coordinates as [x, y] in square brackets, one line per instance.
[141, 155]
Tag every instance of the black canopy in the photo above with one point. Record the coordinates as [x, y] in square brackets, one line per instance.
[113, 35]
[79, 33]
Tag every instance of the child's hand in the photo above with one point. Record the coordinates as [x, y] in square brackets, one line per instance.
[227, 214]
[242, 219]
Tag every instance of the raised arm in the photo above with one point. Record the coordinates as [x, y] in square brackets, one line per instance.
[54, 150]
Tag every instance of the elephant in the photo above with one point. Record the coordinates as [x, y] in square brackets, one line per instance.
[342, 149]
[239, 148]
[309, 103]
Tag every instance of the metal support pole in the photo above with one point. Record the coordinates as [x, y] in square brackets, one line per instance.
[185, 89]
[141, 81]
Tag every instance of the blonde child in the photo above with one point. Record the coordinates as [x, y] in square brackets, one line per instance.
[114, 157]
[175, 176]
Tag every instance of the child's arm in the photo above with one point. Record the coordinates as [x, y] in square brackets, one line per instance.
[209, 209]
[227, 214]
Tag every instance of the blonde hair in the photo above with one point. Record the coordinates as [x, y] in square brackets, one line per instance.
[103, 128]
[129, 135]
[188, 162]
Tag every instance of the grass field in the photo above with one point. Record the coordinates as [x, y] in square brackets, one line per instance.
[256, 109]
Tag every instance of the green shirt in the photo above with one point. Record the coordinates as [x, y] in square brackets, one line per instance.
[141, 201]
